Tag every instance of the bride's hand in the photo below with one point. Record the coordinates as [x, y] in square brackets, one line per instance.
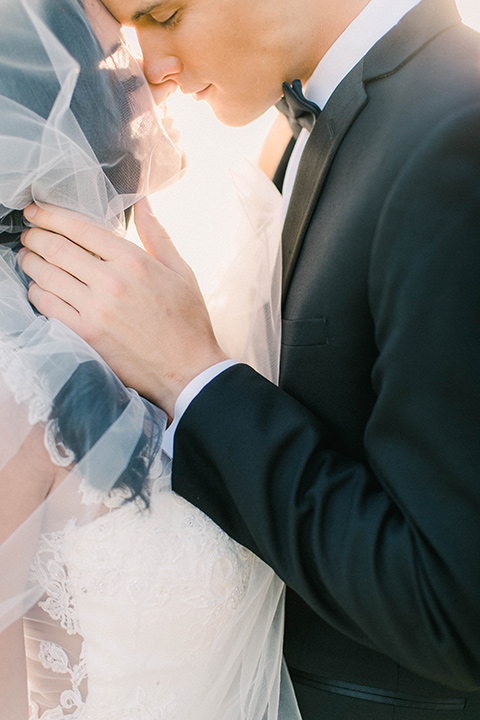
[142, 311]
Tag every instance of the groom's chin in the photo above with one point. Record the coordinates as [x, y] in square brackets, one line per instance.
[236, 115]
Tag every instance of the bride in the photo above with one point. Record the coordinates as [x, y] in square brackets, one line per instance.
[118, 599]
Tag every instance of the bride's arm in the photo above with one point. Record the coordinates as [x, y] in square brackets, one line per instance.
[25, 481]
[13, 673]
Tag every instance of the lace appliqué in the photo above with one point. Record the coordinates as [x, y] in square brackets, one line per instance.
[59, 454]
[145, 708]
[49, 571]
[71, 707]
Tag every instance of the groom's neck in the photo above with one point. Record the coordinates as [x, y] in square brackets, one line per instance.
[329, 19]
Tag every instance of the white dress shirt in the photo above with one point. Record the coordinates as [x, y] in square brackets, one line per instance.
[374, 21]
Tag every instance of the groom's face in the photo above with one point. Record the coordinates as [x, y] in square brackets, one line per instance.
[234, 54]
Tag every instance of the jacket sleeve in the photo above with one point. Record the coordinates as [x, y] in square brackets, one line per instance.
[387, 552]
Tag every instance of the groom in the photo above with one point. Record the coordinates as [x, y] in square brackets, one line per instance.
[358, 480]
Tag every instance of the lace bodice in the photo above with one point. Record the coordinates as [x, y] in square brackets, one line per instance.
[148, 592]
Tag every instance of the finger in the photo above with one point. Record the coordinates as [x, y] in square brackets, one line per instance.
[100, 242]
[155, 238]
[53, 307]
[61, 252]
[53, 280]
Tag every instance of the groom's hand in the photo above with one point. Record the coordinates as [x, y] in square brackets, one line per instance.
[142, 311]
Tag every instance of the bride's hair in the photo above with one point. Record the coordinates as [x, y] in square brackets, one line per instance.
[90, 401]
[87, 405]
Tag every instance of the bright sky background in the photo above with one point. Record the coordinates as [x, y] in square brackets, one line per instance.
[194, 210]
[470, 10]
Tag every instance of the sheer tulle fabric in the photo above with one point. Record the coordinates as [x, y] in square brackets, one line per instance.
[135, 605]
[58, 75]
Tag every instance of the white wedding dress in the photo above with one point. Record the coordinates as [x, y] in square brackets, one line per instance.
[149, 598]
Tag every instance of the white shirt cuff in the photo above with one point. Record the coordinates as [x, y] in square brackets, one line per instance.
[188, 394]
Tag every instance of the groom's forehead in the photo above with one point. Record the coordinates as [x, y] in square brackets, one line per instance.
[131, 11]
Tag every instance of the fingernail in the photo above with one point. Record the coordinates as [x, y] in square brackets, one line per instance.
[21, 253]
[30, 211]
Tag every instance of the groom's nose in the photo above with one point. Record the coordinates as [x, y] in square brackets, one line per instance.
[158, 65]
[159, 70]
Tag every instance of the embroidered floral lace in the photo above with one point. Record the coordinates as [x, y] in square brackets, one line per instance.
[145, 593]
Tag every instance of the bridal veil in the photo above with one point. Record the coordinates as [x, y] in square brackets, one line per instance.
[78, 131]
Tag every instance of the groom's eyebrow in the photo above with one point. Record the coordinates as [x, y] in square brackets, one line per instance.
[147, 10]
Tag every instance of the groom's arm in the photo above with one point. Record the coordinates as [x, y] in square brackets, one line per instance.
[385, 551]
[185, 398]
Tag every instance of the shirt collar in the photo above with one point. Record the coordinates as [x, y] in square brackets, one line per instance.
[374, 21]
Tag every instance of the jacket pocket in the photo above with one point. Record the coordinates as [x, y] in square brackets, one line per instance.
[304, 332]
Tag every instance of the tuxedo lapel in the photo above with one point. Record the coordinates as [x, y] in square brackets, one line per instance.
[324, 141]
[413, 32]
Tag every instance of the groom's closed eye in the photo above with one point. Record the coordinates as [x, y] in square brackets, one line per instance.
[152, 10]
[170, 21]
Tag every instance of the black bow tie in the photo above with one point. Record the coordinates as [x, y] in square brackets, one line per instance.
[300, 112]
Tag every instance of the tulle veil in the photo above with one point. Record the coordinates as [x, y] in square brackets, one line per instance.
[78, 130]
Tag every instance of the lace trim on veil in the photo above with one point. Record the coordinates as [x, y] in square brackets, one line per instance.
[24, 382]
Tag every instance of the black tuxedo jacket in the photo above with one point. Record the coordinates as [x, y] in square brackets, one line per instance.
[359, 480]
